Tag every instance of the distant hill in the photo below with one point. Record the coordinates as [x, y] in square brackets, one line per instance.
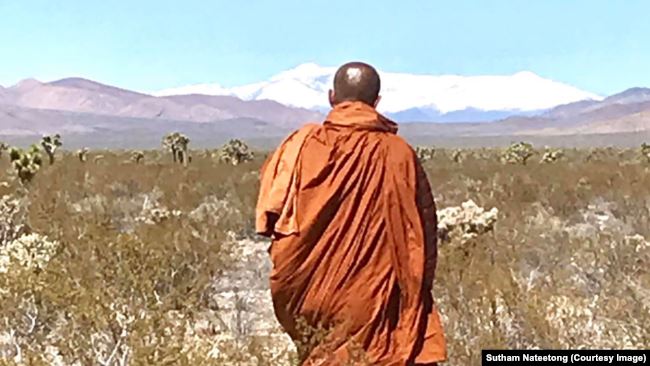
[628, 111]
[91, 113]
[85, 96]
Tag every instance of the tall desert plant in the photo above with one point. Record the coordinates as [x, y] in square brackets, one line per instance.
[50, 145]
[177, 144]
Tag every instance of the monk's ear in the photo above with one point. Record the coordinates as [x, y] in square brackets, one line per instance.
[377, 101]
[332, 97]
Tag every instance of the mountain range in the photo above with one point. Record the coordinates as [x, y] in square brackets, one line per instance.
[409, 97]
[481, 110]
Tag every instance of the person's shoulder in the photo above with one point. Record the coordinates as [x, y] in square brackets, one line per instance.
[300, 133]
[304, 130]
[397, 146]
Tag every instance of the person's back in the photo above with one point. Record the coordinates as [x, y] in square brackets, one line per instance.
[354, 246]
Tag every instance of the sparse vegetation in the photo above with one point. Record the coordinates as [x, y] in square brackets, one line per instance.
[134, 264]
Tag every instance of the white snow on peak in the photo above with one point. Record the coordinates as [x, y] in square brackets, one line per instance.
[306, 86]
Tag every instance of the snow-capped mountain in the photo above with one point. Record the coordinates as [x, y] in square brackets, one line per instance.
[409, 97]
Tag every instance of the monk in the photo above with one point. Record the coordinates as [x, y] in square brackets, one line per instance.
[354, 247]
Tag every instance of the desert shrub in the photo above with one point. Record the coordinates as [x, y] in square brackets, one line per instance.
[235, 152]
[518, 153]
[464, 222]
[25, 163]
[552, 156]
[424, 153]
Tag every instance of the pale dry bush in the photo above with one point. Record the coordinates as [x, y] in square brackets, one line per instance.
[154, 213]
[424, 153]
[213, 210]
[234, 152]
[29, 252]
[552, 156]
[127, 211]
[518, 153]
[13, 213]
[465, 222]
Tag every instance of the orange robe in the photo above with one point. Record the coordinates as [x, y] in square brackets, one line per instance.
[354, 249]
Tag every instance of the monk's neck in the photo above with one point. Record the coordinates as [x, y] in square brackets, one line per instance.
[359, 115]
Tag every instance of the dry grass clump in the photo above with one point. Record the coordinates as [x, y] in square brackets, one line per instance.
[117, 261]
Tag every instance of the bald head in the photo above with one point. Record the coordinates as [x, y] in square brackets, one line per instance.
[356, 81]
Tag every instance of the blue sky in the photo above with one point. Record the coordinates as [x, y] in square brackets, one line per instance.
[599, 46]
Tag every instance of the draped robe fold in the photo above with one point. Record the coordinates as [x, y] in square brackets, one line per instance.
[354, 246]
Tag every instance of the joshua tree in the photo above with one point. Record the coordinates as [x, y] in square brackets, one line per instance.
[177, 143]
[26, 163]
[82, 154]
[552, 156]
[235, 152]
[645, 151]
[424, 153]
[50, 144]
[168, 143]
[518, 153]
[137, 156]
[3, 148]
[183, 157]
